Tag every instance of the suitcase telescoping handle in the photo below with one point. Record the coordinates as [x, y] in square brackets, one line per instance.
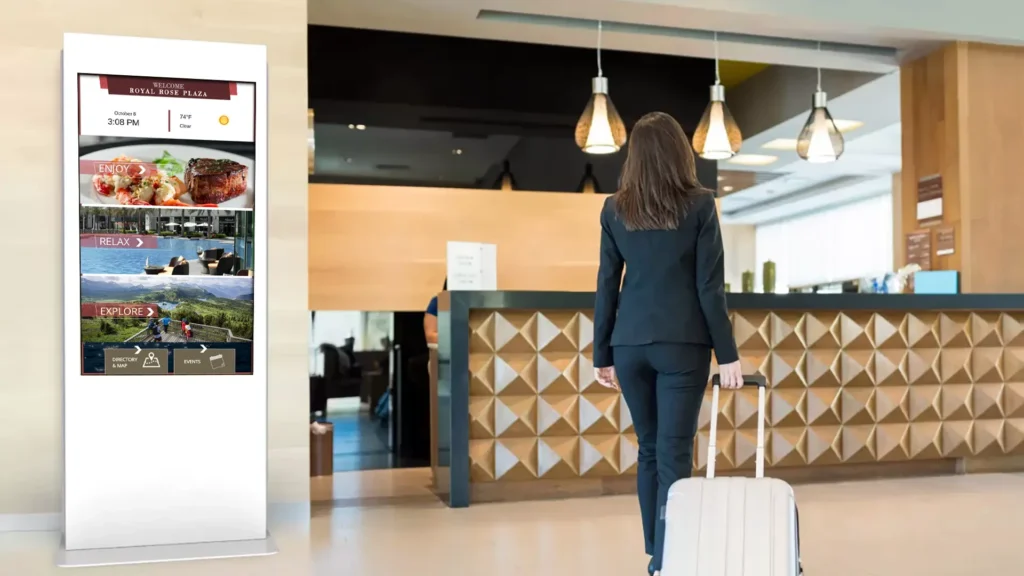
[748, 380]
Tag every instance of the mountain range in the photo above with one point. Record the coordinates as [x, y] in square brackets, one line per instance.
[97, 289]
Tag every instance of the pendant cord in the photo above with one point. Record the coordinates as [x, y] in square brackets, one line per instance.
[819, 66]
[718, 79]
[600, 72]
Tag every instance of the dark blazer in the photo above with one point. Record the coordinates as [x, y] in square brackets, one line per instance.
[674, 289]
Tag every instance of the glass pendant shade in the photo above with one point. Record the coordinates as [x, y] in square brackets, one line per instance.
[600, 129]
[820, 140]
[717, 136]
[505, 180]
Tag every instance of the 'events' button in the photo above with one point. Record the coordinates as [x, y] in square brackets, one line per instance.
[204, 361]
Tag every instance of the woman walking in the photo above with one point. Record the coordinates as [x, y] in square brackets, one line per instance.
[654, 337]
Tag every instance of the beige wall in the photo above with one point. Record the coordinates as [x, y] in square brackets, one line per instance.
[30, 235]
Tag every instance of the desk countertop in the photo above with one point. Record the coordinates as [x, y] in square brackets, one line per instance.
[504, 299]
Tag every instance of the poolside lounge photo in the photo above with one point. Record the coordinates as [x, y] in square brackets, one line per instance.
[174, 309]
[164, 242]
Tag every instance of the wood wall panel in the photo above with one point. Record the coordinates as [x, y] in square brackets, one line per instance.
[992, 152]
[962, 117]
[383, 247]
[930, 119]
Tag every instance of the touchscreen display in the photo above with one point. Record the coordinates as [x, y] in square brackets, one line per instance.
[167, 200]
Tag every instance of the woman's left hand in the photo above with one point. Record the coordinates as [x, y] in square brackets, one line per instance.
[606, 377]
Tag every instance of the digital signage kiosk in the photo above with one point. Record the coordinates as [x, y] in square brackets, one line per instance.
[165, 298]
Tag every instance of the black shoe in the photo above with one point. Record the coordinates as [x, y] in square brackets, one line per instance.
[650, 568]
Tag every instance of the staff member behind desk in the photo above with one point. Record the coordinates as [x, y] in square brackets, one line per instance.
[656, 335]
[430, 318]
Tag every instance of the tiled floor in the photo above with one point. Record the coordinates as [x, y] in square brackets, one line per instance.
[952, 526]
[372, 488]
[360, 443]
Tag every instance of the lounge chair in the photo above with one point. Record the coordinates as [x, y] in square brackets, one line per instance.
[173, 265]
[210, 258]
[225, 266]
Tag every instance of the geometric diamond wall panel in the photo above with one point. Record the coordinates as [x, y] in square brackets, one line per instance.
[843, 387]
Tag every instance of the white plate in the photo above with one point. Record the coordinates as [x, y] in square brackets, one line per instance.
[149, 153]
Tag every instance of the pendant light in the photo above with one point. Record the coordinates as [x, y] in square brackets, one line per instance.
[820, 141]
[506, 181]
[717, 136]
[588, 184]
[600, 129]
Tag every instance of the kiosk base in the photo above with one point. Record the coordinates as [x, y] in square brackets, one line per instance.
[171, 553]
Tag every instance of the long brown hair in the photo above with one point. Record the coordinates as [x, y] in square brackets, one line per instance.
[659, 177]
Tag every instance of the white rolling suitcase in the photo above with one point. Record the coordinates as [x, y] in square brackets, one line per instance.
[732, 526]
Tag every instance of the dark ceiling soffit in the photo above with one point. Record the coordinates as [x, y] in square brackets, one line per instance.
[465, 123]
[686, 33]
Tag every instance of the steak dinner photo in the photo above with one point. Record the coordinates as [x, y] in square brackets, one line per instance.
[171, 174]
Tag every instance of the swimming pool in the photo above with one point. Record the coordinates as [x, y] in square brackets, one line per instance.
[133, 261]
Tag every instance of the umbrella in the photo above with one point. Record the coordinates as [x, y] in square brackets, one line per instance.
[190, 224]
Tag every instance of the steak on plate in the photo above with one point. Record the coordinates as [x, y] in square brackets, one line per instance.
[215, 180]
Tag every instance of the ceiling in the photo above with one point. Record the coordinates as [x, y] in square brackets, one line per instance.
[872, 154]
[420, 97]
[753, 34]
[630, 25]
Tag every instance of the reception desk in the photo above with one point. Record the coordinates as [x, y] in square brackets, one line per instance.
[860, 385]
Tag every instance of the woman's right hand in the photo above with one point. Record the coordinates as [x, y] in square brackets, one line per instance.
[731, 375]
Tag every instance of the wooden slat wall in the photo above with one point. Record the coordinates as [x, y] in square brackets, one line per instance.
[383, 248]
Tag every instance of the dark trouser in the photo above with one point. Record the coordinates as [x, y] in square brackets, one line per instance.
[663, 385]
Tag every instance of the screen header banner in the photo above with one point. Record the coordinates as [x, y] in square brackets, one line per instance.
[144, 107]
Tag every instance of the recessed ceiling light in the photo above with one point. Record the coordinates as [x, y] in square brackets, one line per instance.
[351, 126]
[457, 151]
[726, 188]
[848, 125]
[753, 159]
[780, 144]
[348, 160]
[720, 178]
[360, 126]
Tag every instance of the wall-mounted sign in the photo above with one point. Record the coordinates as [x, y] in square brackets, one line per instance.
[945, 241]
[919, 249]
[165, 194]
[929, 200]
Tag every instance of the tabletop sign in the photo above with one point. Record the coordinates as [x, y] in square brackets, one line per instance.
[472, 266]
[929, 200]
[919, 249]
[945, 241]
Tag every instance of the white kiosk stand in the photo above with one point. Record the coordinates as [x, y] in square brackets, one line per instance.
[165, 417]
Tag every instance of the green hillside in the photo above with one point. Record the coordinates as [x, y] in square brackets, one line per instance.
[110, 329]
